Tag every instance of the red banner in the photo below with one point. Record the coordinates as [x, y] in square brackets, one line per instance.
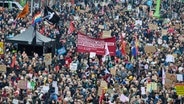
[87, 44]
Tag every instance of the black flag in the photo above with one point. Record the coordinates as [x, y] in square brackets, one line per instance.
[51, 15]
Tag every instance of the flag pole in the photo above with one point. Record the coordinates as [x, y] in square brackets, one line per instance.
[31, 7]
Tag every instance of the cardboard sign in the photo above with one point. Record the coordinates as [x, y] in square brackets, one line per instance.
[170, 80]
[164, 31]
[177, 26]
[149, 49]
[101, 27]
[113, 71]
[101, 90]
[2, 68]
[22, 84]
[179, 89]
[103, 84]
[73, 66]
[48, 58]
[153, 26]
[106, 34]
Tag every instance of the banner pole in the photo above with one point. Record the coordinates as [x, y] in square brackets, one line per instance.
[31, 7]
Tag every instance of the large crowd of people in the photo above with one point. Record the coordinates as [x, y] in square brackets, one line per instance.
[142, 79]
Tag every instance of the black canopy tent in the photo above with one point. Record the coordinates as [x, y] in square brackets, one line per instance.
[25, 39]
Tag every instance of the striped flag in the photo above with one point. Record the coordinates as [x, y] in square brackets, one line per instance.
[37, 18]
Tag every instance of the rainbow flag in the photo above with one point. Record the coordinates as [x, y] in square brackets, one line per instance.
[37, 18]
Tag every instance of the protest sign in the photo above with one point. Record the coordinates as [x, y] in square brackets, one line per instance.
[181, 38]
[106, 34]
[3, 68]
[15, 101]
[170, 80]
[179, 77]
[87, 44]
[1, 48]
[143, 90]
[101, 27]
[54, 84]
[151, 87]
[153, 26]
[48, 58]
[103, 84]
[177, 26]
[164, 31]
[92, 55]
[149, 49]
[113, 71]
[45, 89]
[73, 66]
[179, 89]
[22, 84]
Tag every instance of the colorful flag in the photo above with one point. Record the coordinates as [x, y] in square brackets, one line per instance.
[71, 27]
[37, 18]
[52, 15]
[24, 12]
[23, 2]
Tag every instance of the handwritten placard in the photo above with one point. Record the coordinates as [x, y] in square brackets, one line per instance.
[3, 68]
[22, 84]
[149, 49]
[170, 80]
[73, 66]
[92, 55]
[48, 58]
[106, 34]
[113, 71]
[164, 31]
[153, 26]
[101, 27]
[103, 84]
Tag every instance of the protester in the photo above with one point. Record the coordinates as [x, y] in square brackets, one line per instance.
[143, 74]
